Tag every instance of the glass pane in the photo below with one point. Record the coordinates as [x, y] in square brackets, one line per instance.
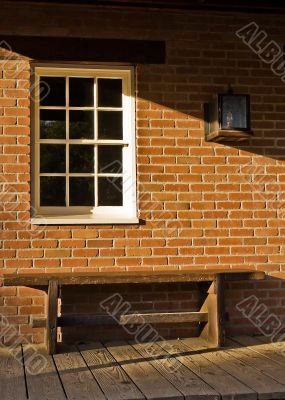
[81, 191]
[110, 125]
[110, 159]
[52, 158]
[81, 158]
[110, 192]
[52, 124]
[52, 91]
[81, 92]
[234, 112]
[52, 191]
[109, 93]
[81, 125]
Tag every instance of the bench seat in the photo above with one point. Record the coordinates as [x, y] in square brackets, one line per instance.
[104, 278]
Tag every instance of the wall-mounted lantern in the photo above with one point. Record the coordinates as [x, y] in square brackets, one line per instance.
[227, 118]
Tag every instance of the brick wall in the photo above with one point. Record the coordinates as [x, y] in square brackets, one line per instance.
[204, 204]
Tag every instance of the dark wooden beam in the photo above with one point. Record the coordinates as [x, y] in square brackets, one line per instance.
[251, 6]
[129, 319]
[93, 50]
[76, 320]
[51, 320]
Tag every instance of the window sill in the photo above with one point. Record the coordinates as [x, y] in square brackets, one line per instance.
[83, 220]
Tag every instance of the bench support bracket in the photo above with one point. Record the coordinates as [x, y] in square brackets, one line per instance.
[214, 331]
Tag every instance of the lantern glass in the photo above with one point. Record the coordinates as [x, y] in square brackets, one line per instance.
[234, 111]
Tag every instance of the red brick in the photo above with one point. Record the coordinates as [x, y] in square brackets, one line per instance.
[84, 234]
[44, 243]
[98, 243]
[141, 252]
[57, 253]
[85, 253]
[101, 262]
[30, 253]
[46, 263]
[72, 243]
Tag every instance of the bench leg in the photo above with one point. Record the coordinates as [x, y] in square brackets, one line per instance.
[51, 312]
[213, 331]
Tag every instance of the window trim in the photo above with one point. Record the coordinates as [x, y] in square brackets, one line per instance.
[82, 215]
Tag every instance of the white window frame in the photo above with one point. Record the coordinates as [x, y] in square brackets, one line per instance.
[127, 213]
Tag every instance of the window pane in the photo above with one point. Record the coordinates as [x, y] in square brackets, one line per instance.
[234, 112]
[52, 124]
[110, 125]
[52, 191]
[81, 125]
[52, 158]
[81, 191]
[109, 93]
[52, 91]
[110, 192]
[81, 92]
[110, 159]
[81, 158]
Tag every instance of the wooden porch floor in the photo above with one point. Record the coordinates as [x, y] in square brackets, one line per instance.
[248, 368]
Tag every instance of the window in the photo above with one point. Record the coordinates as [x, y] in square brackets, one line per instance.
[84, 146]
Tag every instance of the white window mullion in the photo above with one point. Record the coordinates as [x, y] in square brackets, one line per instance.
[67, 142]
[36, 144]
[85, 141]
[67, 176]
[96, 146]
[96, 176]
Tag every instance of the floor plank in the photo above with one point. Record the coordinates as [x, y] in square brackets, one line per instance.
[77, 380]
[168, 370]
[231, 361]
[112, 379]
[225, 384]
[43, 384]
[263, 364]
[271, 351]
[189, 384]
[151, 383]
[12, 379]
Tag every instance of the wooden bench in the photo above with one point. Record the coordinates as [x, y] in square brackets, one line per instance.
[211, 313]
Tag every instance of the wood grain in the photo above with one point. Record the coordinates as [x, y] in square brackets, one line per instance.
[134, 319]
[224, 383]
[214, 331]
[113, 380]
[264, 365]
[188, 383]
[162, 318]
[150, 382]
[236, 363]
[103, 278]
[273, 351]
[12, 380]
[77, 380]
[172, 369]
[43, 384]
